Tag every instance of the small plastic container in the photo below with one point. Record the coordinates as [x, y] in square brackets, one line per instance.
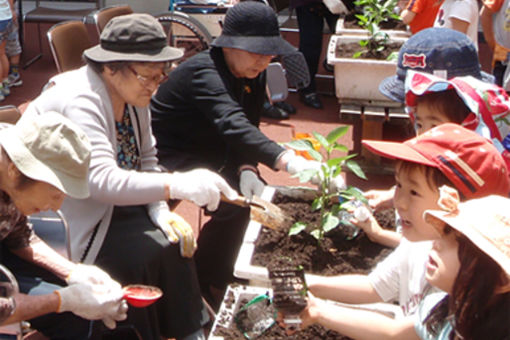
[141, 295]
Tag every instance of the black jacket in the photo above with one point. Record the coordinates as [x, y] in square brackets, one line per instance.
[205, 112]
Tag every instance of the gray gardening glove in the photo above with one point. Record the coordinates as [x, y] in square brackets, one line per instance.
[250, 184]
[93, 302]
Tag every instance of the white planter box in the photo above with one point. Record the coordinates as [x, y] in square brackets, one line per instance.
[341, 29]
[357, 80]
[227, 310]
[243, 269]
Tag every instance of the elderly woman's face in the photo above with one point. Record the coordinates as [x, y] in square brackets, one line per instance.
[244, 64]
[36, 197]
[138, 82]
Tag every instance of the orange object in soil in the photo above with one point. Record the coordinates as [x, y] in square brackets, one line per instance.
[309, 137]
[141, 295]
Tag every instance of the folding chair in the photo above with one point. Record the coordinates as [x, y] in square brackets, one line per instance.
[41, 14]
[68, 40]
[103, 15]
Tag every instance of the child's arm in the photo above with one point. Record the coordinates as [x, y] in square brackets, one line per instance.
[407, 16]
[488, 30]
[377, 234]
[357, 323]
[344, 288]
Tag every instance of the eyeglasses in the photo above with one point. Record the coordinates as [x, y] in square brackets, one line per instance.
[147, 81]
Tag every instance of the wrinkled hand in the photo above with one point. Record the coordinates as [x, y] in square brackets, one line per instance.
[175, 227]
[380, 199]
[93, 302]
[83, 273]
[200, 186]
[250, 184]
[297, 164]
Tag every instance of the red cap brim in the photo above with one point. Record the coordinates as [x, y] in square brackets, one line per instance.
[397, 150]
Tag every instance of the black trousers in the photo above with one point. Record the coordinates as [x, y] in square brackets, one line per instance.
[311, 25]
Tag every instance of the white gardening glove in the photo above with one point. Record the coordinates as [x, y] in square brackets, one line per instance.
[297, 164]
[83, 273]
[93, 302]
[250, 184]
[201, 186]
[175, 227]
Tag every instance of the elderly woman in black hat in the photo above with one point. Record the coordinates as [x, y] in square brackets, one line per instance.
[207, 114]
[125, 226]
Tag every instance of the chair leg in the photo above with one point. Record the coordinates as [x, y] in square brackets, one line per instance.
[39, 55]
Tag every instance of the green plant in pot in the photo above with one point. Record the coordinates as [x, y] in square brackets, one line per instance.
[375, 12]
[330, 203]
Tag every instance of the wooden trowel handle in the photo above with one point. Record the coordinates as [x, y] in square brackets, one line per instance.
[239, 201]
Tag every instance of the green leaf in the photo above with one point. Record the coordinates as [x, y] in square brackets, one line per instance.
[363, 42]
[300, 145]
[356, 169]
[320, 138]
[340, 147]
[357, 54]
[337, 133]
[297, 228]
[317, 203]
[393, 56]
[316, 233]
[315, 155]
[330, 222]
[306, 175]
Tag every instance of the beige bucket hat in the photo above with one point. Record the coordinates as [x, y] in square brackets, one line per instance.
[52, 149]
[484, 221]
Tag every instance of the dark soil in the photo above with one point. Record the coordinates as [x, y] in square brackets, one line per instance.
[347, 50]
[350, 21]
[333, 255]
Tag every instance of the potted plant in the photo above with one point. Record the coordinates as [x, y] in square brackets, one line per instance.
[319, 234]
[365, 59]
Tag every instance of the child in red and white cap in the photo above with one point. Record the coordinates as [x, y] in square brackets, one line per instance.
[445, 155]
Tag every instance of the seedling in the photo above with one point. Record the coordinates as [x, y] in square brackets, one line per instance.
[374, 12]
[329, 202]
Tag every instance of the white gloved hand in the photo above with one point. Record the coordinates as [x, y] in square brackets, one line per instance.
[250, 184]
[201, 186]
[93, 302]
[83, 273]
[175, 227]
[297, 164]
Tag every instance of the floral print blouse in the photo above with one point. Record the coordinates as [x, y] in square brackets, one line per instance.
[127, 152]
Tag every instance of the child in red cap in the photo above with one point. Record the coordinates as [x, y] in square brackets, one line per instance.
[469, 262]
[445, 155]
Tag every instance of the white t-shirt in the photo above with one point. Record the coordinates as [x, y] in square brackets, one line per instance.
[401, 276]
[465, 10]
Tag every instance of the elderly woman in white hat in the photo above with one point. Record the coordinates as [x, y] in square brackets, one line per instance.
[108, 98]
[41, 161]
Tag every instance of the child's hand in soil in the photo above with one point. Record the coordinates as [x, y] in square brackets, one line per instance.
[380, 199]
[365, 220]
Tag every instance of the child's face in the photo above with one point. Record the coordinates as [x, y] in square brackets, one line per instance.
[412, 197]
[443, 265]
[427, 117]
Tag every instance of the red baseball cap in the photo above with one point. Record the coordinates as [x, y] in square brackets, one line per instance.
[471, 162]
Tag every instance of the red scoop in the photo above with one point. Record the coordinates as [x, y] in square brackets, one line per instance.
[141, 295]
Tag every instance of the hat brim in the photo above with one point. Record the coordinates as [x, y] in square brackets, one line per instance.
[273, 45]
[393, 88]
[394, 150]
[30, 166]
[463, 224]
[167, 53]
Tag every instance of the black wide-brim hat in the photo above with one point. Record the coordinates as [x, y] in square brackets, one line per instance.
[253, 26]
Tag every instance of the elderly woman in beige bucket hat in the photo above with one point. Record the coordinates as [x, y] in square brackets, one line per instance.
[43, 159]
[125, 226]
